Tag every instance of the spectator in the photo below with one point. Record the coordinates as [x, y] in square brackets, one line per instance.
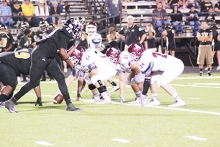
[205, 5]
[172, 3]
[159, 17]
[204, 51]
[132, 33]
[164, 3]
[114, 8]
[216, 39]
[113, 35]
[67, 10]
[55, 12]
[194, 3]
[28, 12]
[169, 38]
[193, 19]
[210, 18]
[176, 19]
[60, 6]
[217, 6]
[150, 36]
[183, 4]
[42, 12]
[7, 39]
[5, 14]
[16, 12]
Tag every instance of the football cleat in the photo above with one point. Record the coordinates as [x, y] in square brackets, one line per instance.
[2, 104]
[178, 103]
[10, 106]
[154, 102]
[70, 107]
[115, 88]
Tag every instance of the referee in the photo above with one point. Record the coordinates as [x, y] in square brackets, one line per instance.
[132, 33]
[204, 51]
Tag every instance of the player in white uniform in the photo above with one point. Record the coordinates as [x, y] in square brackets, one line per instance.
[164, 69]
[98, 69]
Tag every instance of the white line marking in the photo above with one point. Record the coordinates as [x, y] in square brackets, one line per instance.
[192, 98]
[120, 140]
[196, 138]
[158, 107]
[197, 77]
[43, 143]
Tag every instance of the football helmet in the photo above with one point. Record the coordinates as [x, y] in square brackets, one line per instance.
[95, 41]
[91, 27]
[74, 25]
[136, 50]
[113, 54]
[76, 56]
[24, 24]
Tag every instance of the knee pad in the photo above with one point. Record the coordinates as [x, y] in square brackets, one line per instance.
[102, 89]
[91, 86]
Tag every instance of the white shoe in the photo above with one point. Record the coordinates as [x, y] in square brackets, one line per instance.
[105, 101]
[115, 88]
[178, 103]
[122, 99]
[154, 102]
[207, 68]
[218, 68]
[136, 101]
[93, 100]
[65, 70]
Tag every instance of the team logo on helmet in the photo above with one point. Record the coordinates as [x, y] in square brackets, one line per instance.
[136, 50]
[113, 54]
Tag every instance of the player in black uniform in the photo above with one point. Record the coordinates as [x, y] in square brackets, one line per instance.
[7, 39]
[41, 33]
[43, 58]
[12, 64]
[25, 42]
[50, 28]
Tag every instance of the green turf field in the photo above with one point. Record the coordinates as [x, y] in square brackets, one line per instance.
[115, 125]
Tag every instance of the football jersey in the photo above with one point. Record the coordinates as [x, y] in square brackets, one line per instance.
[155, 61]
[92, 59]
[19, 60]
[124, 62]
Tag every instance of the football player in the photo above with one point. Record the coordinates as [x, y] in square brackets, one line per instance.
[164, 69]
[12, 64]
[41, 33]
[7, 39]
[43, 58]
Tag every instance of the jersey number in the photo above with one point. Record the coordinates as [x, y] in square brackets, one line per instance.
[22, 54]
[155, 54]
[68, 30]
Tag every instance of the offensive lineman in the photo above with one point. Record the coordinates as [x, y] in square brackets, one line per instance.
[43, 58]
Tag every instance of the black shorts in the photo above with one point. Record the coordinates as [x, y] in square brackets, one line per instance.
[8, 75]
[171, 46]
[115, 20]
[216, 48]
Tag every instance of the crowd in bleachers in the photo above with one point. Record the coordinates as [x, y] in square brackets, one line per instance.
[12, 12]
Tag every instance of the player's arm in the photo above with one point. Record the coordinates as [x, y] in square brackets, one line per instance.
[65, 57]
[8, 48]
[135, 69]
[71, 50]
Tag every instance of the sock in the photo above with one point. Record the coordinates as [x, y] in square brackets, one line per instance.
[208, 70]
[138, 94]
[200, 70]
[155, 96]
[3, 98]
[113, 83]
[96, 94]
[176, 97]
[13, 99]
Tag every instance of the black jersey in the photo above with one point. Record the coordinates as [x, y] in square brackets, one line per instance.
[150, 41]
[25, 42]
[19, 60]
[216, 41]
[31, 37]
[59, 38]
[206, 32]
[7, 41]
[40, 35]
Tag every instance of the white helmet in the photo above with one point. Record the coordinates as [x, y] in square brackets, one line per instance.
[95, 41]
[91, 27]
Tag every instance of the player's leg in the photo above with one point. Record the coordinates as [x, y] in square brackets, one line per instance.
[38, 94]
[122, 85]
[54, 70]
[200, 59]
[80, 87]
[218, 58]
[115, 87]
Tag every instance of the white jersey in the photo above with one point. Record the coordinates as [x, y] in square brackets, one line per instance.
[93, 59]
[124, 62]
[160, 62]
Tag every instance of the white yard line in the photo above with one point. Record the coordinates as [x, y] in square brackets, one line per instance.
[120, 140]
[196, 138]
[43, 143]
[158, 107]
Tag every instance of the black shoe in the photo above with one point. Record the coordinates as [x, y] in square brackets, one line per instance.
[70, 107]
[209, 74]
[200, 74]
[43, 79]
[10, 106]
[2, 104]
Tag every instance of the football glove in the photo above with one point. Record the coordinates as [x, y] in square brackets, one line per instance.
[38, 102]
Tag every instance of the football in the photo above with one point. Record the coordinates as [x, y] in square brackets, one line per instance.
[58, 99]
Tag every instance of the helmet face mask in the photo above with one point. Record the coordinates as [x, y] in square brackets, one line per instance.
[113, 54]
[95, 40]
[136, 50]
[91, 28]
[76, 56]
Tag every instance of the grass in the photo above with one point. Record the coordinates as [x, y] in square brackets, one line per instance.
[98, 125]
